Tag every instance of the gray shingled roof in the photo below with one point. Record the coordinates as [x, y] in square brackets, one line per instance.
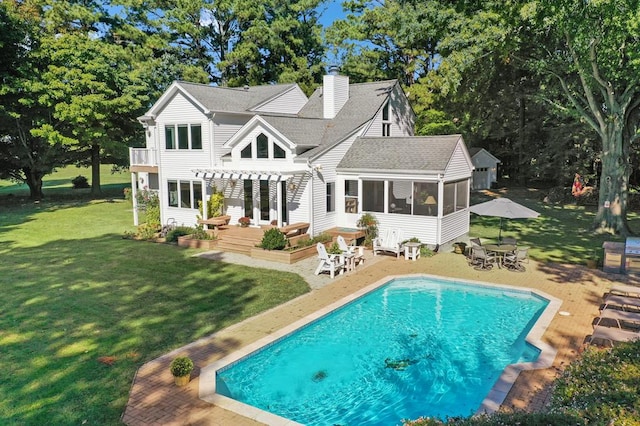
[233, 99]
[402, 154]
[310, 129]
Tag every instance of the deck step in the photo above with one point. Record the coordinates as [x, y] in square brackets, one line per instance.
[237, 244]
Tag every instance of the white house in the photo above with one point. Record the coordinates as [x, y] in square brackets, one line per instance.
[280, 157]
[485, 168]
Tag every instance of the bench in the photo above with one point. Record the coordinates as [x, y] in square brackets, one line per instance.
[295, 229]
[217, 221]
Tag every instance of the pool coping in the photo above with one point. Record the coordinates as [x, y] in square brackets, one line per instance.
[491, 403]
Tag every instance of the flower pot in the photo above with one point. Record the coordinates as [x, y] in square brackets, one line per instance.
[182, 380]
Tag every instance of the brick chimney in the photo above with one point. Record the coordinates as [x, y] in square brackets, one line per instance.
[335, 92]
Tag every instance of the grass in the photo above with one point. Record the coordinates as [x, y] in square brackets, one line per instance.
[59, 184]
[562, 233]
[75, 291]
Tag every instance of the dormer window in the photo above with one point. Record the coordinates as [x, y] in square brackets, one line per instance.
[386, 121]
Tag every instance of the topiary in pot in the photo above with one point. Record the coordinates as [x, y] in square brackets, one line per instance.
[181, 368]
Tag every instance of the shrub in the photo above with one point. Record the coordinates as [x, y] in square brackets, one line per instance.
[179, 231]
[199, 233]
[369, 223]
[273, 239]
[215, 205]
[181, 366]
[146, 231]
[601, 387]
[334, 249]
[80, 182]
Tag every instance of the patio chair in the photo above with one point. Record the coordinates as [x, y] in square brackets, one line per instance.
[482, 259]
[515, 259]
[388, 242]
[357, 252]
[342, 243]
[329, 263]
[475, 242]
[509, 240]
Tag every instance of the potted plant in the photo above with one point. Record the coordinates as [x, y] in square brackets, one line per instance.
[181, 368]
[244, 221]
[460, 247]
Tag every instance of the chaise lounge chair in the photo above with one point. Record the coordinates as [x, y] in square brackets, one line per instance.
[389, 241]
[612, 335]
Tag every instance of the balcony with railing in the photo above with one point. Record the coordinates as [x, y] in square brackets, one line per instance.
[143, 159]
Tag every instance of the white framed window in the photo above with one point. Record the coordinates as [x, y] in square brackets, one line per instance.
[351, 196]
[386, 120]
[331, 197]
[262, 148]
[184, 194]
[183, 136]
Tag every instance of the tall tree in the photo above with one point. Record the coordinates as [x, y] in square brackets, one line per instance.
[24, 156]
[590, 50]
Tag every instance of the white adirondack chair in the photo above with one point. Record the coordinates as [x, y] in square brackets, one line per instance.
[357, 252]
[329, 263]
[389, 241]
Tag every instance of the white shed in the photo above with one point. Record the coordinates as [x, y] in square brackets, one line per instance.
[485, 168]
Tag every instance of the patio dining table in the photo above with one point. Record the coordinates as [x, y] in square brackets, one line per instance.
[500, 250]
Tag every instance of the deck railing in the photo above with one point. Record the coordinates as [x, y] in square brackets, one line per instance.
[142, 157]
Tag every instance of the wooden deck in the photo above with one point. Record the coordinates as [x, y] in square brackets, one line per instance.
[237, 239]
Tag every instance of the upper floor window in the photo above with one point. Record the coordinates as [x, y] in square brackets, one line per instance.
[246, 152]
[262, 146]
[264, 149]
[183, 136]
[386, 121]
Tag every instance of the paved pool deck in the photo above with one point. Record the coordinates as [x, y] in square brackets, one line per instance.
[155, 400]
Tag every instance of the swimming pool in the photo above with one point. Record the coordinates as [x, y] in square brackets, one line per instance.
[409, 347]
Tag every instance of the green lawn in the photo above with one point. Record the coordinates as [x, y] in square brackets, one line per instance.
[562, 233]
[74, 290]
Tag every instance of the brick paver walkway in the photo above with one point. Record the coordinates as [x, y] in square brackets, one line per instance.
[154, 400]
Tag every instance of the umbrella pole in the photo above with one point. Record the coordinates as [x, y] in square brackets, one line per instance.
[500, 232]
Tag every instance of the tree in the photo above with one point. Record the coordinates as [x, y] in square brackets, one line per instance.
[590, 49]
[24, 157]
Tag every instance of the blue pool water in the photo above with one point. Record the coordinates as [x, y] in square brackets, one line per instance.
[414, 347]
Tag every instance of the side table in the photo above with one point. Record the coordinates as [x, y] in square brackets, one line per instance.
[411, 251]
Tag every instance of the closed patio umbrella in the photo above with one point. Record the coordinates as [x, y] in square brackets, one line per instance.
[503, 208]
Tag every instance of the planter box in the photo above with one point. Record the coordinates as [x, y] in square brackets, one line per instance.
[189, 242]
[284, 256]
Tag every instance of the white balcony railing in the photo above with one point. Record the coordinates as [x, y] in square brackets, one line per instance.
[143, 157]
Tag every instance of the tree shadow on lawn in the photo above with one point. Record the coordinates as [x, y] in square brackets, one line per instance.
[67, 303]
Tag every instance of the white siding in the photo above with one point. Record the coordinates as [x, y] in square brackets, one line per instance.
[459, 166]
[323, 220]
[425, 228]
[290, 102]
[402, 118]
[454, 225]
[175, 164]
[224, 127]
